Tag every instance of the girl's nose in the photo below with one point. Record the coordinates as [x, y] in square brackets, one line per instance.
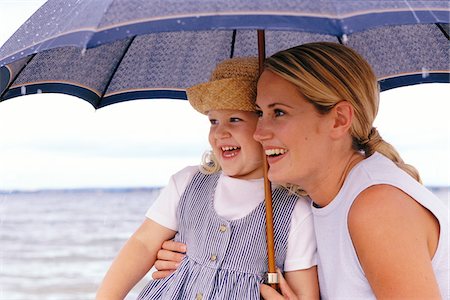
[222, 132]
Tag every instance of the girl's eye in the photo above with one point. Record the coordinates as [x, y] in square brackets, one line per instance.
[278, 112]
[232, 120]
[259, 113]
[213, 121]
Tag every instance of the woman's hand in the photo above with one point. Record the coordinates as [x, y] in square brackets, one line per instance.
[168, 259]
[268, 293]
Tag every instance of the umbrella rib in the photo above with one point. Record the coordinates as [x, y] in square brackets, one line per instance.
[11, 81]
[114, 72]
[233, 42]
[445, 29]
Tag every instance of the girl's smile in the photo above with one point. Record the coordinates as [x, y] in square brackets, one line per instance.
[231, 138]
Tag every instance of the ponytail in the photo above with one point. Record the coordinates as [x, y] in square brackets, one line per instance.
[375, 143]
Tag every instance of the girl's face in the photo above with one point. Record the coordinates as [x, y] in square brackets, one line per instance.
[231, 138]
[291, 131]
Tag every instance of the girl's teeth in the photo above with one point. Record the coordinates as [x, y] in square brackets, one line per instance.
[229, 148]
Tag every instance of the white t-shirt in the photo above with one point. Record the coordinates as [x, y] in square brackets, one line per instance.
[228, 203]
[341, 275]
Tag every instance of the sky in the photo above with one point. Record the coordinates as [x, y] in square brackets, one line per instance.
[54, 141]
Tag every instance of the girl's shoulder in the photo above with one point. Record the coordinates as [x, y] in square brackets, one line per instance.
[302, 210]
[186, 172]
[181, 179]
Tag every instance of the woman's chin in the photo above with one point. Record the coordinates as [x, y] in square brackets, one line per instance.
[276, 176]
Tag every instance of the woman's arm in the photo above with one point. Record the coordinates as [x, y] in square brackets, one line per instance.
[304, 283]
[134, 260]
[301, 284]
[395, 239]
[168, 258]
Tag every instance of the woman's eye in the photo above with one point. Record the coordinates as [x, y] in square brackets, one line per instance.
[213, 121]
[259, 113]
[279, 113]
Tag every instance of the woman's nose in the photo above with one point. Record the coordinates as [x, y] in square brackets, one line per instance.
[262, 131]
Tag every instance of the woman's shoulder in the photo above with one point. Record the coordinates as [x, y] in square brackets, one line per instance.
[385, 207]
[385, 222]
[380, 198]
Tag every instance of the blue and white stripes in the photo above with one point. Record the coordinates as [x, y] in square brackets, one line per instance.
[225, 259]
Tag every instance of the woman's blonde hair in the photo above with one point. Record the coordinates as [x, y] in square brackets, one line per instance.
[327, 73]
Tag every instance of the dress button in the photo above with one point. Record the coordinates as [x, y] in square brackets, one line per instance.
[199, 296]
[222, 228]
[213, 257]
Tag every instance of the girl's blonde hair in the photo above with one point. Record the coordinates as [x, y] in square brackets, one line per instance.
[209, 163]
[327, 73]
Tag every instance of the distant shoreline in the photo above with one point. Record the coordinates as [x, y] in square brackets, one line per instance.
[83, 190]
[434, 189]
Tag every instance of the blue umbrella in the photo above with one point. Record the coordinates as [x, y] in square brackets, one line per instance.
[108, 51]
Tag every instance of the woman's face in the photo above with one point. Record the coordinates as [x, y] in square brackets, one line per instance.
[291, 131]
[231, 138]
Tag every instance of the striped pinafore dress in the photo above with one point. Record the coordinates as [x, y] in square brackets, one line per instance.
[224, 259]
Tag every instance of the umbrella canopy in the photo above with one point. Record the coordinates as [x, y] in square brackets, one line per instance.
[108, 51]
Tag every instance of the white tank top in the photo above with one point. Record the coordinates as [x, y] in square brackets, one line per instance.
[340, 273]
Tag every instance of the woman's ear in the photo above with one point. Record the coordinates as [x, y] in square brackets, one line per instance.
[343, 116]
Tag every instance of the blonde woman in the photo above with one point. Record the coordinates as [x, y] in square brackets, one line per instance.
[380, 233]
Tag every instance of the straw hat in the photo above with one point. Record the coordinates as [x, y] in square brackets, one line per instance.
[232, 86]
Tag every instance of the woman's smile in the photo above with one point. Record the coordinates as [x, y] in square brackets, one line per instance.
[274, 154]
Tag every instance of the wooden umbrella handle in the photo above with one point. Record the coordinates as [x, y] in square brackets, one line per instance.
[272, 272]
[272, 276]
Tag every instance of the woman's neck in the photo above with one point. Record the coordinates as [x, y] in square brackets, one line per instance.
[330, 185]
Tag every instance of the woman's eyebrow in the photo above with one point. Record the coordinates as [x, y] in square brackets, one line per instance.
[278, 104]
[273, 105]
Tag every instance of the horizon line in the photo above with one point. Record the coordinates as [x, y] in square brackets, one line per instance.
[128, 189]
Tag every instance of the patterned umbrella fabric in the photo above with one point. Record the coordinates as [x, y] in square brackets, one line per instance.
[108, 51]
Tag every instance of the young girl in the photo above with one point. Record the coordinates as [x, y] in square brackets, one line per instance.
[218, 211]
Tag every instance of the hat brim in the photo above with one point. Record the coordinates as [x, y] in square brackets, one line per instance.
[230, 93]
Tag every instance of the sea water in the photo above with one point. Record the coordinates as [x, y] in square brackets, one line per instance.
[57, 245]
